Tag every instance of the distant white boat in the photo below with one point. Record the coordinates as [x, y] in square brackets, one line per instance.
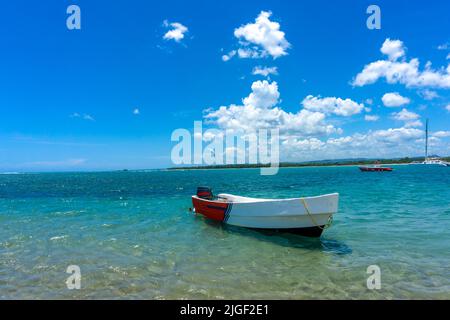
[307, 216]
[430, 161]
[433, 161]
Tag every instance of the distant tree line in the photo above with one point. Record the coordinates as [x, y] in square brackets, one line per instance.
[322, 163]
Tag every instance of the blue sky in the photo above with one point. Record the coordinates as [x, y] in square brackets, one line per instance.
[68, 97]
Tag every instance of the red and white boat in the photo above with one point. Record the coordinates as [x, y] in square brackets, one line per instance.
[307, 216]
[375, 168]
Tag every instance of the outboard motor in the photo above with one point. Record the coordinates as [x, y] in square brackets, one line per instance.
[204, 193]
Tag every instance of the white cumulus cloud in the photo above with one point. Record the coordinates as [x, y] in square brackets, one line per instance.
[394, 49]
[308, 134]
[263, 95]
[394, 99]
[405, 115]
[413, 124]
[392, 142]
[441, 134]
[264, 71]
[259, 110]
[229, 55]
[369, 117]
[428, 94]
[443, 46]
[402, 71]
[176, 32]
[333, 105]
[397, 135]
[261, 38]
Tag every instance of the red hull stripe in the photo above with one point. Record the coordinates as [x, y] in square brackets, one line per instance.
[210, 209]
[217, 208]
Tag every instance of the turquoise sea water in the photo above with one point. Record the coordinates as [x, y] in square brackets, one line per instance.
[133, 237]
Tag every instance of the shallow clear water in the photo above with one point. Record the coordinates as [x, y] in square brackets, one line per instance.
[132, 236]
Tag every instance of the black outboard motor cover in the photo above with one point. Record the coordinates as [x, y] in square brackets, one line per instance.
[204, 193]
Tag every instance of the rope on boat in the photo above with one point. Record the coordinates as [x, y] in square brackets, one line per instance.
[326, 226]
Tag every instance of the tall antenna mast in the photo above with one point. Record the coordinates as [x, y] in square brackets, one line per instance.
[426, 140]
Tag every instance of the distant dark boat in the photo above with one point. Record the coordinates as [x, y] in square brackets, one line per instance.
[375, 168]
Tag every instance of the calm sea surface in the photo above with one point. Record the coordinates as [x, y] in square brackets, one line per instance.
[133, 237]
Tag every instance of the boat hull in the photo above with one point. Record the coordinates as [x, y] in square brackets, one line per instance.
[313, 232]
[306, 216]
[374, 169]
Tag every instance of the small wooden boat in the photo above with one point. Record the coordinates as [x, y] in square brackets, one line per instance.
[375, 168]
[307, 216]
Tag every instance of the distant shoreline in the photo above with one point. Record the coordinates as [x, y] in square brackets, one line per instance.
[311, 164]
[291, 167]
[326, 163]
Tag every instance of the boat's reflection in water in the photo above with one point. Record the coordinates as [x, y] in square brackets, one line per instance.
[285, 239]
